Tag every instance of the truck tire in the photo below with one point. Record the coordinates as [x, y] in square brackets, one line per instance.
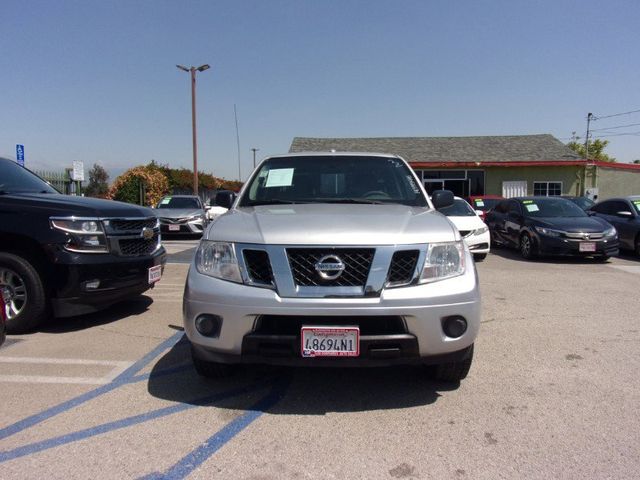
[478, 257]
[28, 299]
[211, 369]
[454, 371]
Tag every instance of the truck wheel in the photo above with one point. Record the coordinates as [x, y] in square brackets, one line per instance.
[478, 257]
[454, 371]
[211, 369]
[27, 297]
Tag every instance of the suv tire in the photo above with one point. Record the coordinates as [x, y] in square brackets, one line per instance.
[20, 276]
[211, 369]
[454, 371]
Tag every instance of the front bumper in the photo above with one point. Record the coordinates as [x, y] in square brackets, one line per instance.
[571, 247]
[479, 243]
[187, 228]
[420, 308]
[119, 278]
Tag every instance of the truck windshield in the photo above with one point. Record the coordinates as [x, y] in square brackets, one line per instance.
[333, 179]
[17, 179]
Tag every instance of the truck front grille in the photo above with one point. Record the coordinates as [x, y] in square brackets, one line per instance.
[126, 225]
[403, 267]
[291, 325]
[258, 266]
[138, 246]
[356, 261]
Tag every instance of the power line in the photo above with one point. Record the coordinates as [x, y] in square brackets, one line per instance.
[595, 117]
[619, 134]
[616, 127]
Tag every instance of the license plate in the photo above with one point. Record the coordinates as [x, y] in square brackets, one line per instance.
[155, 274]
[330, 341]
[174, 228]
[587, 247]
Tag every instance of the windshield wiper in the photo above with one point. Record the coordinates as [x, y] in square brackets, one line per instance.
[349, 200]
[273, 201]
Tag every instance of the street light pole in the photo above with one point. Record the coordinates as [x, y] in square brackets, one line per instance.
[254, 150]
[192, 71]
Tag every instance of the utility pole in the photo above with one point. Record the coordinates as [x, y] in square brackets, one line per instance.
[254, 150]
[586, 139]
[235, 113]
[193, 71]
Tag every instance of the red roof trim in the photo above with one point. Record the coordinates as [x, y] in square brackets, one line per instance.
[539, 163]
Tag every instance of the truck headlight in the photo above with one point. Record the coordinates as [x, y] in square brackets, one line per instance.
[84, 235]
[218, 259]
[443, 260]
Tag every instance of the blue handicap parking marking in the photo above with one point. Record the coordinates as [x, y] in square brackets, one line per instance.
[185, 465]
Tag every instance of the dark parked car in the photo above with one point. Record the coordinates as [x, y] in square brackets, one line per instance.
[584, 203]
[4, 304]
[70, 255]
[550, 226]
[483, 203]
[624, 214]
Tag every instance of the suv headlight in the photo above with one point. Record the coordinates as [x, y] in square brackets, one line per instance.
[548, 232]
[84, 235]
[481, 230]
[443, 260]
[218, 259]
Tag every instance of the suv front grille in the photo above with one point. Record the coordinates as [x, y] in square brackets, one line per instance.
[357, 263]
[403, 267]
[124, 225]
[291, 325]
[258, 266]
[137, 246]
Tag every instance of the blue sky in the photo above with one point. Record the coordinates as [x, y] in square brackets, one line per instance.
[96, 80]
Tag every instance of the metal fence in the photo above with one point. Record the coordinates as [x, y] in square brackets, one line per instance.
[61, 181]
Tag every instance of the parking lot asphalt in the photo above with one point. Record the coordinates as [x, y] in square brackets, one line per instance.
[553, 393]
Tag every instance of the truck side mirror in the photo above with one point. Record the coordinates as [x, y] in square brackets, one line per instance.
[225, 199]
[442, 198]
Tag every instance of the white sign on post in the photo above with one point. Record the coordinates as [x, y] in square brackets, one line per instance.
[78, 172]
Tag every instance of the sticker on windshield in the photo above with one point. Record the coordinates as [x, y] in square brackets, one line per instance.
[527, 201]
[164, 201]
[479, 203]
[281, 177]
[412, 183]
[532, 207]
[636, 203]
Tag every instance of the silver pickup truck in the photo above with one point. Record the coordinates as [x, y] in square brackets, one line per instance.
[333, 259]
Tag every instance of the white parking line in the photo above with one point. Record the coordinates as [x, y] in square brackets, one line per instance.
[627, 268]
[118, 368]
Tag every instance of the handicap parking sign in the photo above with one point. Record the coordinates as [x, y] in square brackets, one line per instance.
[20, 154]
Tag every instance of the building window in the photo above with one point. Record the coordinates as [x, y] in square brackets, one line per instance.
[547, 189]
[461, 182]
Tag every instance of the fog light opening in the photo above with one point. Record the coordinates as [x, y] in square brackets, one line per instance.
[454, 326]
[209, 325]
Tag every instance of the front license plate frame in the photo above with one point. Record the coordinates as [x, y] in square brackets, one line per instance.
[587, 247]
[329, 336]
[155, 274]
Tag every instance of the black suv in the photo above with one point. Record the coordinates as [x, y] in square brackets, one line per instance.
[65, 255]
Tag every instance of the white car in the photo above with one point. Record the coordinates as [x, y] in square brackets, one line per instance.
[474, 231]
[215, 211]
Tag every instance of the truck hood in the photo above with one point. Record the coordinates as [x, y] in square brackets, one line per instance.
[332, 224]
[67, 205]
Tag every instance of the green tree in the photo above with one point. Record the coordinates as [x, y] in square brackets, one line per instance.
[98, 182]
[596, 150]
[636, 161]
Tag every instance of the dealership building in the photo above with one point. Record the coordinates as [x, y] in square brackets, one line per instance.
[514, 165]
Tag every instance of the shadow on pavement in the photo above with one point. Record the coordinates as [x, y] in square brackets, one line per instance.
[513, 254]
[312, 391]
[134, 306]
